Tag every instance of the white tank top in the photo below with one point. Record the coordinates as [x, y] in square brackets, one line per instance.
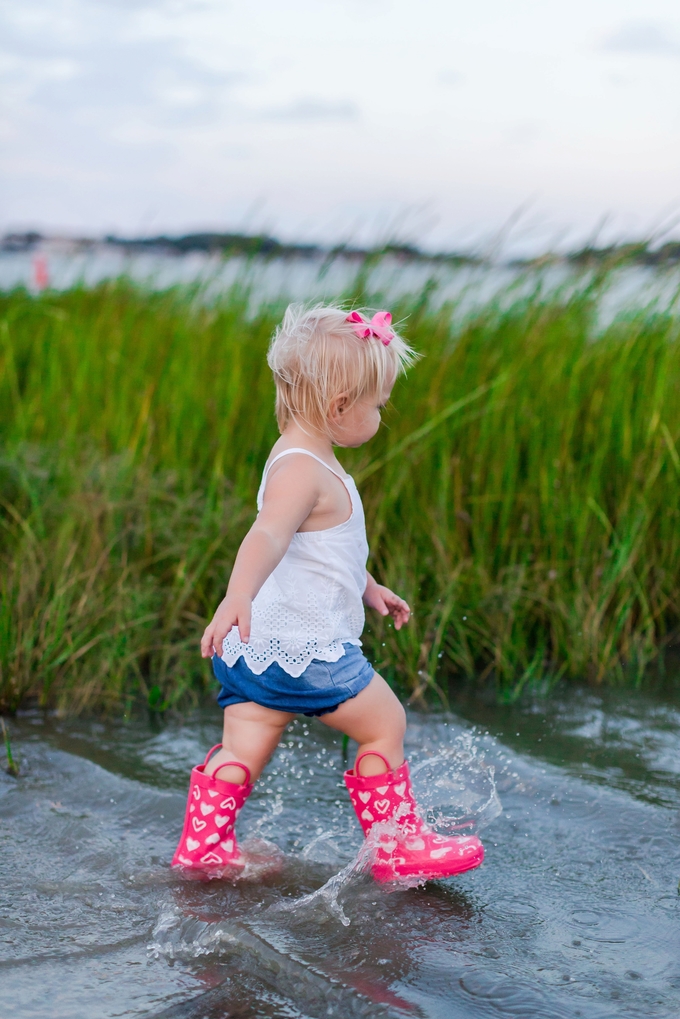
[311, 604]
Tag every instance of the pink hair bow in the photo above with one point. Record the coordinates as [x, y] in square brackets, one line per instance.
[378, 327]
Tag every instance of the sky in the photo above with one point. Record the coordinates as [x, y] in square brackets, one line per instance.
[447, 124]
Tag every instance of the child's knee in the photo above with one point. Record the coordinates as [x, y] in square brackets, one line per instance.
[391, 725]
[400, 720]
[393, 712]
[389, 714]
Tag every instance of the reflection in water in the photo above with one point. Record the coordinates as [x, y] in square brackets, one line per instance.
[574, 912]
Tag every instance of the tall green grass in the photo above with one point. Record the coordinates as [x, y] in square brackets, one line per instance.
[523, 494]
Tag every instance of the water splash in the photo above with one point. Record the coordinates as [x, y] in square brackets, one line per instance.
[178, 936]
[456, 793]
[261, 857]
[456, 789]
[187, 938]
[325, 901]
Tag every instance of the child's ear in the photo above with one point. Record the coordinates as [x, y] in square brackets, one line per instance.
[339, 405]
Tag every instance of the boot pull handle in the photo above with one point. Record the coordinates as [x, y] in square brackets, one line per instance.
[218, 746]
[370, 753]
[236, 764]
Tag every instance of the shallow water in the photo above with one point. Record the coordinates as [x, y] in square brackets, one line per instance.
[575, 911]
[468, 287]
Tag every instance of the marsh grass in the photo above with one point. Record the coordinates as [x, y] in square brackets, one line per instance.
[523, 494]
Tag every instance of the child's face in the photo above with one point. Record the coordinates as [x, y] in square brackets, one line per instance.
[353, 425]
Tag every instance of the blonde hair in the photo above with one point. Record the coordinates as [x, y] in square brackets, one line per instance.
[315, 355]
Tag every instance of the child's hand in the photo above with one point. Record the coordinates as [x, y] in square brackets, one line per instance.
[387, 603]
[232, 611]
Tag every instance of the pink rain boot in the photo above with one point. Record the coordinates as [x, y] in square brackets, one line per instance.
[208, 842]
[405, 845]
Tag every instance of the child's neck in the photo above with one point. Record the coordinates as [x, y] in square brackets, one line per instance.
[307, 437]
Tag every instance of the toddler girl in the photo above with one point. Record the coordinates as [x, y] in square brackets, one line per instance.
[285, 639]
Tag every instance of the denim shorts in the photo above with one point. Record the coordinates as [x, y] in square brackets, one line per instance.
[321, 688]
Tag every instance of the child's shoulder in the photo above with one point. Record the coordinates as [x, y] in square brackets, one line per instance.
[304, 478]
[296, 459]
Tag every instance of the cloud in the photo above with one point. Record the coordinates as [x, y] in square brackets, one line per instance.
[643, 37]
[311, 109]
[98, 68]
[112, 83]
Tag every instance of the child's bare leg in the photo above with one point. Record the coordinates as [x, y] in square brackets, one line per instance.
[251, 734]
[376, 720]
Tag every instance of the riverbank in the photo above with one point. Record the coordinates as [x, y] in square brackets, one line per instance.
[523, 494]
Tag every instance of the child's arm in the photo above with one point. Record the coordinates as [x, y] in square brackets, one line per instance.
[290, 496]
[386, 602]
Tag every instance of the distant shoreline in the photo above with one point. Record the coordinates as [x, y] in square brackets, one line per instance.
[643, 252]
